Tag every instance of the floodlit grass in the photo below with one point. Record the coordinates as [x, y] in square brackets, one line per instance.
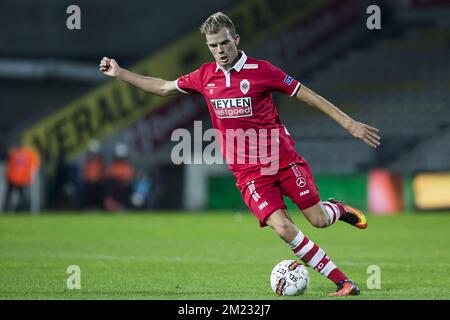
[213, 255]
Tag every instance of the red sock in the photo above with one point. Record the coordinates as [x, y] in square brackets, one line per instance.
[316, 258]
[337, 276]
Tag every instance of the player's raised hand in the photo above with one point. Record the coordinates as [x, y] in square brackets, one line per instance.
[109, 67]
[365, 133]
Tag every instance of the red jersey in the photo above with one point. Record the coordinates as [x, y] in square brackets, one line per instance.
[240, 102]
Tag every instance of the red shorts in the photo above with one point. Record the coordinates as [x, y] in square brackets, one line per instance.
[263, 194]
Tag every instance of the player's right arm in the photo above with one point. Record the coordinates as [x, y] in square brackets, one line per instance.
[156, 86]
[358, 129]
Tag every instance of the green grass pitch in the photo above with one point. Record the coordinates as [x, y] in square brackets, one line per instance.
[214, 255]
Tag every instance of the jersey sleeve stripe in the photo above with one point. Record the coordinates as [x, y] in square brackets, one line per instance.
[295, 90]
[178, 88]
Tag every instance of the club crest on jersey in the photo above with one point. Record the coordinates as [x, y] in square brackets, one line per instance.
[245, 86]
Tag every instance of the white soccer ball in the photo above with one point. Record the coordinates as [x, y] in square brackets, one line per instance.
[289, 278]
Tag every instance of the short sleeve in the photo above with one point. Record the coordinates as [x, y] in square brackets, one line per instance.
[278, 80]
[190, 83]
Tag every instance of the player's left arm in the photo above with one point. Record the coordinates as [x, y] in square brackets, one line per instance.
[359, 130]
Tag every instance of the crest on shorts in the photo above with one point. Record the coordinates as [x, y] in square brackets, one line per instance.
[245, 85]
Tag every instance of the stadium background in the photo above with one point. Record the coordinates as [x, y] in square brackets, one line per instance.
[396, 79]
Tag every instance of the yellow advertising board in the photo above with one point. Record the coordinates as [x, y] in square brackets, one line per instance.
[432, 190]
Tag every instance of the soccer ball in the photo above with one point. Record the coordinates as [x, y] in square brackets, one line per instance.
[289, 278]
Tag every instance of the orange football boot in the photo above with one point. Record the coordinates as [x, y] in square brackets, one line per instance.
[346, 288]
[353, 216]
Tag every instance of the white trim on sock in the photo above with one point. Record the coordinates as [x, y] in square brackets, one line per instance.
[330, 212]
[297, 240]
[330, 266]
[308, 246]
[316, 259]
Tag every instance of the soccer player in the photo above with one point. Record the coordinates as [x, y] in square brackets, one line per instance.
[238, 92]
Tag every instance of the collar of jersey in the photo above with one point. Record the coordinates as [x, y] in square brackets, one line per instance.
[237, 66]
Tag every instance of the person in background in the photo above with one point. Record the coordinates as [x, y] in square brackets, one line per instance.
[141, 191]
[94, 174]
[21, 166]
[119, 180]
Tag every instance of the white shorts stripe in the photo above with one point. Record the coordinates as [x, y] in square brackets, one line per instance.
[178, 88]
[308, 246]
[316, 259]
[330, 266]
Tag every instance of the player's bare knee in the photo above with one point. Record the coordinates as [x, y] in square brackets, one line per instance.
[322, 223]
[316, 216]
[319, 222]
[283, 227]
[279, 227]
[317, 219]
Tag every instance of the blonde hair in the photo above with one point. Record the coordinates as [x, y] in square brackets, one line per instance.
[216, 22]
